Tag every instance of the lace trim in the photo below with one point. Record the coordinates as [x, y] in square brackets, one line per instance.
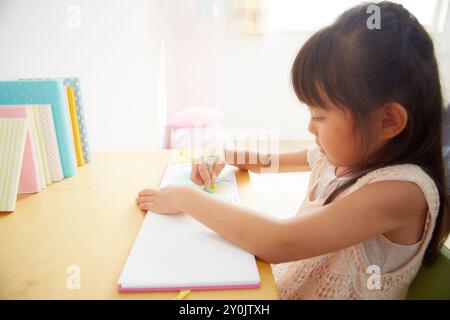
[343, 274]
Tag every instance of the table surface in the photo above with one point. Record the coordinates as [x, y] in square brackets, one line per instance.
[91, 221]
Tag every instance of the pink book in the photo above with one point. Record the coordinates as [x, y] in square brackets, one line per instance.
[29, 180]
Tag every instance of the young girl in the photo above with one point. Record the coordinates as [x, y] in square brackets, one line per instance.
[376, 206]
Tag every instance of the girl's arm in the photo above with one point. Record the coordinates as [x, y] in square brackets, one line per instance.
[277, 163]
[374, 209]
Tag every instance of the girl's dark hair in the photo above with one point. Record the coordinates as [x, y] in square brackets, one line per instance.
[360, 69]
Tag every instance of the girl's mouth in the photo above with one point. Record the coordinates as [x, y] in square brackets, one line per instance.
[320, 148]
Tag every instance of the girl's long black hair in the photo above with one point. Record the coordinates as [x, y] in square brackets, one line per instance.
[360, 69]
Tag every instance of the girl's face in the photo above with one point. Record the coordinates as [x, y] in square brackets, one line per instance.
[333, 134]
[336, 136]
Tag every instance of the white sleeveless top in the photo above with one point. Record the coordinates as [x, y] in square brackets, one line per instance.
[380, 250]
[346, 274]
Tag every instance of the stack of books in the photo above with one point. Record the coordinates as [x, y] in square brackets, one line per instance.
[43, 136]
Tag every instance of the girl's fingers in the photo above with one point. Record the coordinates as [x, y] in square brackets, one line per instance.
[200, 174]
[147, 192]
[197, 179]
[195, 175]
[203, 169]
[146, 204]
[144, 199]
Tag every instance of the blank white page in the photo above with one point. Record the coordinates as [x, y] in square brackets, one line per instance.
[173, 252]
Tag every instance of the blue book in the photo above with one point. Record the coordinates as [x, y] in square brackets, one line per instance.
[45, 92]
[75, 83]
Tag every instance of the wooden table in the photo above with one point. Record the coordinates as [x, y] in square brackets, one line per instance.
[90, 221]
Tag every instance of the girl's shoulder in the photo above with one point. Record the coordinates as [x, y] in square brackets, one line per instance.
[404, 173]
[400, 172]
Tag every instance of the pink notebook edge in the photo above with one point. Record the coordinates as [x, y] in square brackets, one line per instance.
[193, 288]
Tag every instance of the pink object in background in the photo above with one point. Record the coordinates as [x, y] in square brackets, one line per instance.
[196, 128]
[195, 117]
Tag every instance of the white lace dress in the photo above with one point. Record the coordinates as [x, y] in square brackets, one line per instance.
[345, 274]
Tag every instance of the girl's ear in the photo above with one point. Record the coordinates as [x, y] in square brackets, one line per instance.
[391, 120]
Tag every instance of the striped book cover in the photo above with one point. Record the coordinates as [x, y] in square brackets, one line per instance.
[36, 139]
[39, 137]
[45, 92]
[50, 142]
[31, 173]
[13, 134]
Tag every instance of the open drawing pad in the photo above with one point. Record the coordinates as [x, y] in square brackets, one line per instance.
[175, 252]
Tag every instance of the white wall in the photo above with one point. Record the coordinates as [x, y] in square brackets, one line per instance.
[250, 74]
[246, 77]
[253, 85]
[115, 52]
[127, 92]
[252, 78]
[442, 49]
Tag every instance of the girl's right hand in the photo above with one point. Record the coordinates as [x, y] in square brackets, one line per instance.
[206, 169]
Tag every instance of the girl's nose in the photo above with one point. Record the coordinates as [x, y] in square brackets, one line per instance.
[312, 128]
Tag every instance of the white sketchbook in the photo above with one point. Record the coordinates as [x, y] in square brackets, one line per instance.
[175, 252]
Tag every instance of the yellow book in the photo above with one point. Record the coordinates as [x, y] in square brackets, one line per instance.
[75, 127]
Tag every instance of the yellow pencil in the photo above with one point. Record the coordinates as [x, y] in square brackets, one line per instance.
[182, 295]
[183, 154]
[212, 188]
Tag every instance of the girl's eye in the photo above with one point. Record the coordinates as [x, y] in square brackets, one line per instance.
[317, 118]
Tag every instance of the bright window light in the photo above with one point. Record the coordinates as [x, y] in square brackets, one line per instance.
[310, 15]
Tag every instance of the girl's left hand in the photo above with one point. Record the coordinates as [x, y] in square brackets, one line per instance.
[163, 201]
